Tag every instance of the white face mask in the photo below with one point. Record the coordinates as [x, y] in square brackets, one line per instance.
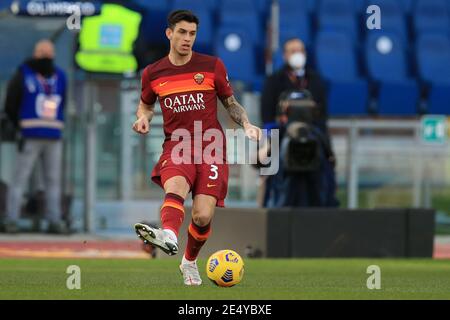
[297, 60]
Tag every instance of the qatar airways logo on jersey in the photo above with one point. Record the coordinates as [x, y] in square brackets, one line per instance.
[185, 102]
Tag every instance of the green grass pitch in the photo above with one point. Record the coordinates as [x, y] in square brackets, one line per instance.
[263, 279]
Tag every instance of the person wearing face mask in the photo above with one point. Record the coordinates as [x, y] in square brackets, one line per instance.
[35, 104]
[296, 75]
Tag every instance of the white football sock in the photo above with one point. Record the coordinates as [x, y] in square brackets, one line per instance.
[186, 261]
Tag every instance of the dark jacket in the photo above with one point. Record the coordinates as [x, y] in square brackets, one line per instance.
[280, 81]
[311, 189]
[13, 100]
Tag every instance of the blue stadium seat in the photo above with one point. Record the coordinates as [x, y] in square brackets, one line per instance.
[293, 7]
[154, 20]
[407, 5]
[398, 94]
[155, 4]
[360, 6]
[237, 53]
[355, 6]
[248, 22]
[243, 14]
[433, 59]
[5, 4]
[338, 16]
[277, 59]
[238, 6]
[263, 7]
[433, 52]
[431, 16]
[294, 21]
[295, 27]
[393, 17]
[194, 5]
[312, 6]
[336, 62]
[204, 40]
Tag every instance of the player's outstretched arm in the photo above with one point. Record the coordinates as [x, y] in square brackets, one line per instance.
[144, 115]
[239, 115]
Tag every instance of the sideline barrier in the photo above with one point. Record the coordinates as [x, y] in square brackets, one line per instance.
[297, 232]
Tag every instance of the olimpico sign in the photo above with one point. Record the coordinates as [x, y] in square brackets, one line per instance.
[54, 8]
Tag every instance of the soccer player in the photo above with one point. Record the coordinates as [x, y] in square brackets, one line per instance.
[187, 85]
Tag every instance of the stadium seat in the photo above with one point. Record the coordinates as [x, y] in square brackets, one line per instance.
[243, 14]
[263, 7]
[277, 59]
[338, 16]
[433, 59]
[249, 23]
[294, 21]
[360, 6]
[312, 6]
[393, 17]
[154, 20]
[5, 4]
[154, 4]
[293, 7]
[204, 40]
[336, 62]
[194, 5]
[239, 6]
[335, 56]
[398, 94]
[295, 27]
[237, 52]
[431, 16]
[407, 5]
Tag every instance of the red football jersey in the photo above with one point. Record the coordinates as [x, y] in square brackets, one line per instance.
[186, 93]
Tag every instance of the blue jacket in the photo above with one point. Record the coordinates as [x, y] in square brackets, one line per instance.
[42, 104]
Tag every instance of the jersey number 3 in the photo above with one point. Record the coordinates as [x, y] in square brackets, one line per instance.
[215, 174]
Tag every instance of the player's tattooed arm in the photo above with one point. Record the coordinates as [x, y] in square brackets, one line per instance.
[144, 115]
[239, 115]
[236, 111]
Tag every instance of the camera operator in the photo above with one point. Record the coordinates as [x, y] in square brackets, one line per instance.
[315, 186]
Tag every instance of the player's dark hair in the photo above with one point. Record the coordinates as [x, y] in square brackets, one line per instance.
[181, 15]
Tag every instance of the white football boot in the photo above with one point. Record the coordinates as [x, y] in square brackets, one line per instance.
[189, 270]
[158, 237]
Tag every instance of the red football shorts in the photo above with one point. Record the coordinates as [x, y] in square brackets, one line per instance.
[208, 179]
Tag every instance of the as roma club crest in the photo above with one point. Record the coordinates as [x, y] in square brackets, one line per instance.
[199, 78]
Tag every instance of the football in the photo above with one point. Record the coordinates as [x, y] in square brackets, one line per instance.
[225, 268]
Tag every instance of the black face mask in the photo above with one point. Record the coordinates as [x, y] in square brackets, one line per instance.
[44, 66]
